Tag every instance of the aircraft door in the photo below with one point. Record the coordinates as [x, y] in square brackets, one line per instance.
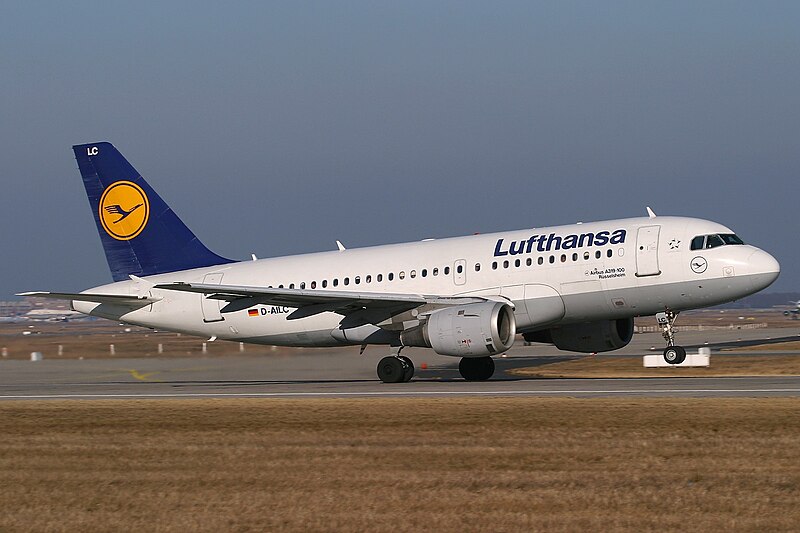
[211, 307]
[647, 251]
[460, 272]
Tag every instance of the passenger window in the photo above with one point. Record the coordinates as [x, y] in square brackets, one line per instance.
[390, 277]
[563, 258]
[529, 261]
[424, 273]
[505, 264]
[303, 285]
[413, 274]
[460, 269]
[446, 271]
[368, 279]
[585, 256]
[347, 281]
[402, 274]
[477, 267]
[379, 278]
[541, 260]
[494, 265]
[313, 284]
[324, 283]
[552, 259]
[435, 271]
[610, 253]
[335, 282]
[357, 280]
[574, 257]
[698, 243]
[598, 254]
[517, 263]
[291, 285]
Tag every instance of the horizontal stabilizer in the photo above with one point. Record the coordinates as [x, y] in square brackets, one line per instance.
[111, 299]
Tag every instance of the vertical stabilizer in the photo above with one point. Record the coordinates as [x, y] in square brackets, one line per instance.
[141, 235]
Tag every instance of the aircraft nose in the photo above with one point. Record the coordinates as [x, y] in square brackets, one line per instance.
[764, 269]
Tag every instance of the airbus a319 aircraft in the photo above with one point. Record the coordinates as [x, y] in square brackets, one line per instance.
[577, 286]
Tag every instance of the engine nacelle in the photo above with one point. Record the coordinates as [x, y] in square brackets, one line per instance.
[602, 336]
[471, 330]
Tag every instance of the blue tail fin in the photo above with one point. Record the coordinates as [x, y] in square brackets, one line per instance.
[141, 235]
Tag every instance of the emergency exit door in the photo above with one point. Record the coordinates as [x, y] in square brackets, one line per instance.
[211, 307]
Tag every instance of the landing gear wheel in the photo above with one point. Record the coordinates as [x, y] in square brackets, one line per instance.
[476, 368]
[674, 355]
[409, 368]
[391, 370]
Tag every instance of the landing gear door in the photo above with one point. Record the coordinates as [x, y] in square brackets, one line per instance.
[647, 251]
[211, 307]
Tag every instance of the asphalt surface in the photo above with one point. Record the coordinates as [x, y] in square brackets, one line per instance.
[344, 373]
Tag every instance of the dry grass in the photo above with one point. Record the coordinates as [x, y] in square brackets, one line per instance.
[632, 367]
[776, 347]
[401, 465]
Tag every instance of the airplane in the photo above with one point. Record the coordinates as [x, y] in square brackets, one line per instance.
[53, 315]
[577, 286]
[793, 312]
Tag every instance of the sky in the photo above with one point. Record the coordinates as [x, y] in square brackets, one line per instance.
[276, 128]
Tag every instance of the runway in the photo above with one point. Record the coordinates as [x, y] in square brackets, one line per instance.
[344, 373]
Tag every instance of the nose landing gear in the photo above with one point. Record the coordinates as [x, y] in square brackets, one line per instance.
[673, 354]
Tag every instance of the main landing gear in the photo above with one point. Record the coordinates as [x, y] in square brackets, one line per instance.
[395, 368]
[398, 368]
[673, 355]
[476, 368]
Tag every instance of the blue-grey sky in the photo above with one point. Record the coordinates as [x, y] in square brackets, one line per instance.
[278, 127]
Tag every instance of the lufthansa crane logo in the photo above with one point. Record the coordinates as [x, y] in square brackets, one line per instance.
[124, 210]
[699, 265]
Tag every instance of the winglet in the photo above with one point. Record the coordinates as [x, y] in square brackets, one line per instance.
[650, 212]
[340, 246]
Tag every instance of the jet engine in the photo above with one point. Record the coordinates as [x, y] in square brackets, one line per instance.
[602, 336]
[471, 330]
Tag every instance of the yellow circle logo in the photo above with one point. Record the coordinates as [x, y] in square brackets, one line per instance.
[124, 210]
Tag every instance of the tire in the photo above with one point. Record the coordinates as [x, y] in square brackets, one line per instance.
[390, 370]
[409, 371]
[674, 355]
[477, 368]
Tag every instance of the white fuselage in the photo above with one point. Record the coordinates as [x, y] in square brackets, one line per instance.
[566, 274]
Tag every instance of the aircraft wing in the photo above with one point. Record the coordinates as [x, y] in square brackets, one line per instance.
[111, 299]
[312, 302]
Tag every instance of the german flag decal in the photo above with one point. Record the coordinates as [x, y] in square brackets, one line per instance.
[252, 312]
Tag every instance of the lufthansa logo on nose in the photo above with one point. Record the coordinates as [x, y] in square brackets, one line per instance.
[699, 265]
[124, 210]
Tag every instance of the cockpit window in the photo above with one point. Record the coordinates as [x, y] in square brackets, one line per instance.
[730, 238]
[712, 241]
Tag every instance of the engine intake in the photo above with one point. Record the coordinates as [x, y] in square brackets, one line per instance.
[472, 330]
